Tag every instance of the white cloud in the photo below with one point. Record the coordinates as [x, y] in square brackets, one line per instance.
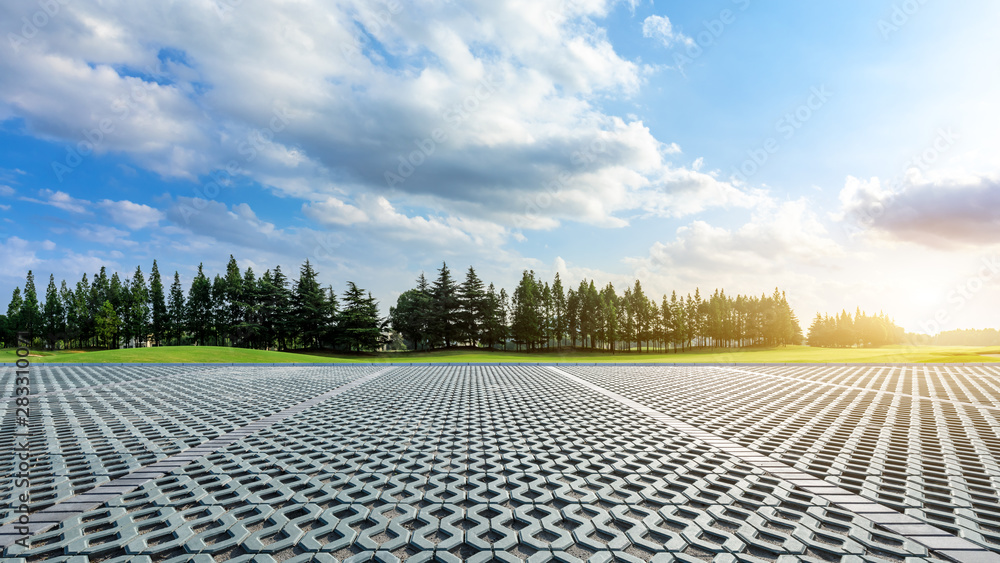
[316, 109]
[132, 215]
[660, 27]
[332, 211]
[6, 191]
[60, 200]
[103, 234]
[18, 256]
[780, 241]
[943, 210]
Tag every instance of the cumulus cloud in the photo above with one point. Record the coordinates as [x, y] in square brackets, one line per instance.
[779, 239]
[17, 254]
[325, 108]
[60, 200]
[660, 27]
[940, 211]
[132, 215]
[103, 234]
[333, 211]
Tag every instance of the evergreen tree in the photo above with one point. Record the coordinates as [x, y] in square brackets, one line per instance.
[312, 310]
[72, 326]
[359, 323]
[234, 306]
[137, 311]
[14, 324]
[107, 324]
[559, 310]
[220, 311]
[444, 318]
[248, 330]
[30, 317]
[118, 299]
[53, 316]
[471, 307]
[160, 319]
[198, 308]
[278, 305]
[176, 311]
[84, 312]
[527, 321]
[267, 296]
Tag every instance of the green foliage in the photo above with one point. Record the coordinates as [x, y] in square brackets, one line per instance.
[107, 323]
[30, 317]
[199, 309]
[359, 324]
[862, 330]
[160, 318]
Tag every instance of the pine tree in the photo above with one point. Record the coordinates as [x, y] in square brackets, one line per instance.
[14, 324]
[278, 306]
[444, 321]
[234, 312]
[312, 312]
[137, 313]
[248, 330]
[31, 316]
[199, 311]
[359, 322]
[176, 312]
[267, 295]
[159, 320]
[559, 309]
[220, 311]
[108, 325]
[83, 311]
[72, 326]
[471, 307]
[53, 316]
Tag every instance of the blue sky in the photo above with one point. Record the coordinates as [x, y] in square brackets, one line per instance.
[736, 144]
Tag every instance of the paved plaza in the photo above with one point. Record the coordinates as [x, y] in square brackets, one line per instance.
[170, 463]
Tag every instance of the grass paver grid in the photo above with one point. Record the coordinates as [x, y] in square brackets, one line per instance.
[86, 436]
[934, 460]
[474, 463]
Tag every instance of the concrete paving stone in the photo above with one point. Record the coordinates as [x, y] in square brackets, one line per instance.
[478, 463]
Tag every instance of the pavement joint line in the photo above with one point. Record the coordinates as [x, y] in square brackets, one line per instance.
[78, 504]
[866, 389]
[934, 539]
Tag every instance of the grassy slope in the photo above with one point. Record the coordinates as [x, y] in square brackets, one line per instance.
[791, 354]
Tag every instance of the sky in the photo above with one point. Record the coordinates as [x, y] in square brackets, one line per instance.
[845, 152]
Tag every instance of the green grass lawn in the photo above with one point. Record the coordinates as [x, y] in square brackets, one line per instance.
[790, 354]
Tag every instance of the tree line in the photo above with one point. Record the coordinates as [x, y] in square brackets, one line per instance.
[846, 331]
[959, 337]
[238, 308]
[234, 309]
[538, 315]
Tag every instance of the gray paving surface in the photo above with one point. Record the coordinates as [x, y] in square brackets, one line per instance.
[485, 463]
